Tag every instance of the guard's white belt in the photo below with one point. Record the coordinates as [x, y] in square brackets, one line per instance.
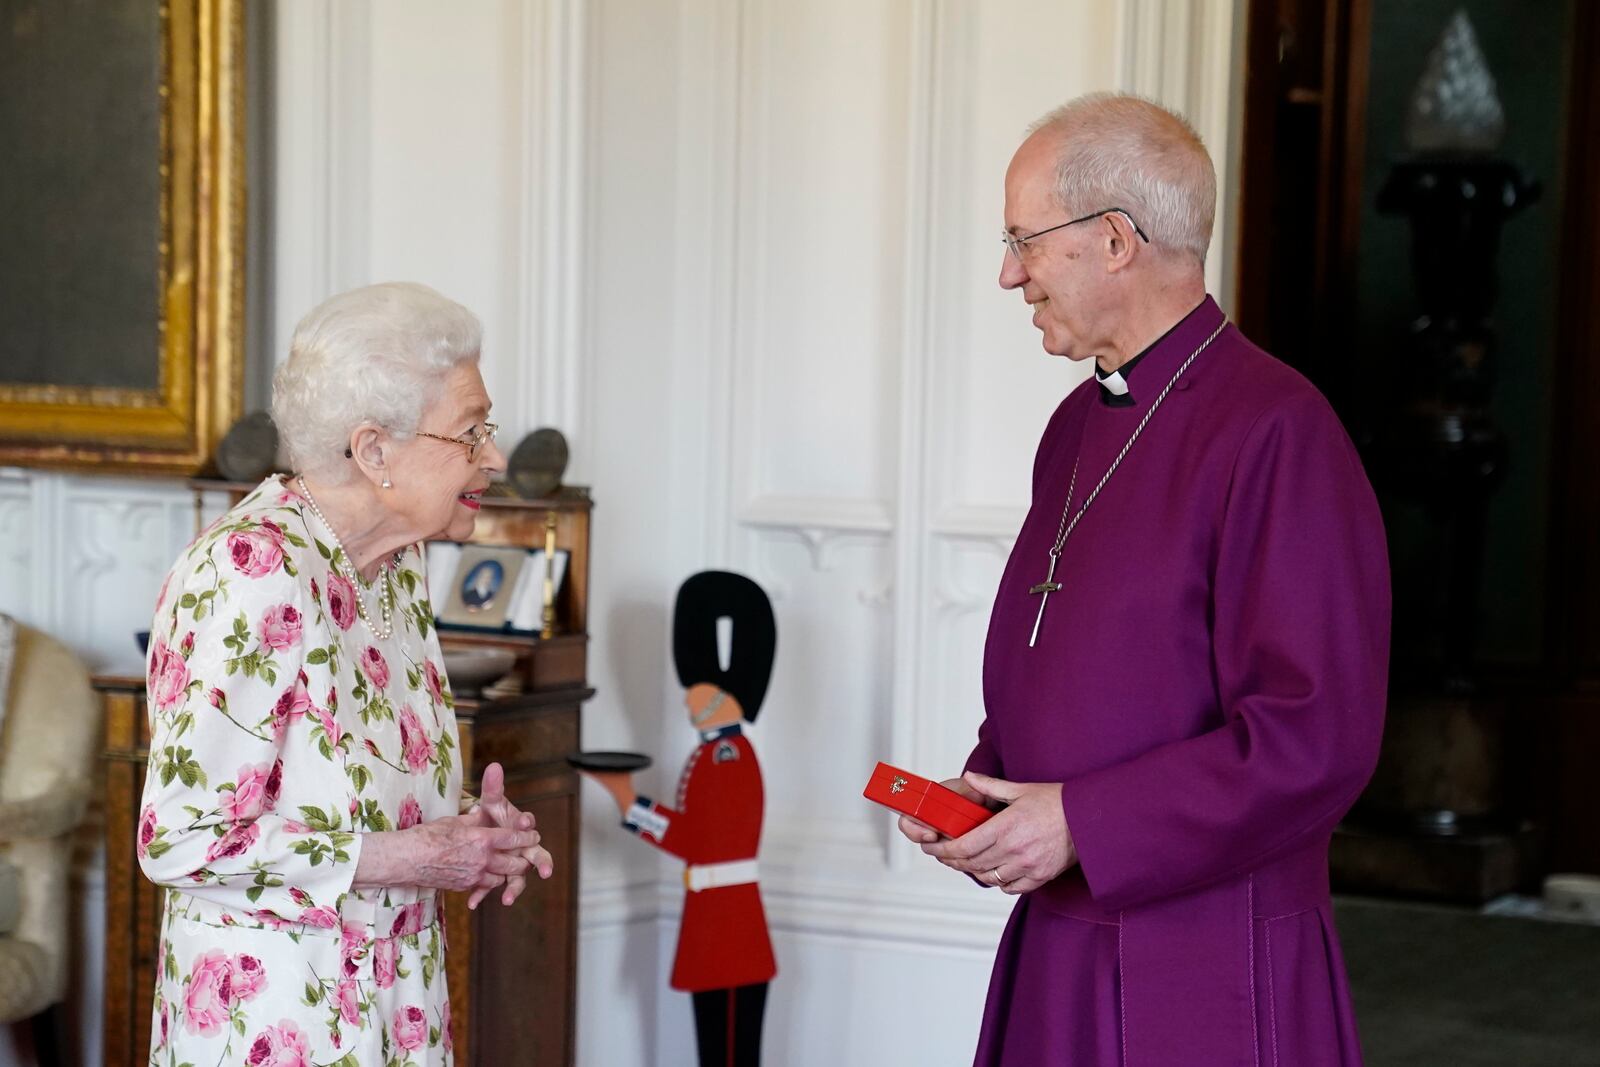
[698, 876]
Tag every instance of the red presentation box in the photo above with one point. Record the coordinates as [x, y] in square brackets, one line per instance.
[943, 809]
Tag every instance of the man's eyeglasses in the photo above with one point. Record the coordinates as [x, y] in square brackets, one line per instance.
[473, 444]
[1015, 244]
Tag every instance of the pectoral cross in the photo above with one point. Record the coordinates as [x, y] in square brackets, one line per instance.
[1043, 591]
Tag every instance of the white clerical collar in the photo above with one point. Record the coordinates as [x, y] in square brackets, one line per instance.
[1113, 383]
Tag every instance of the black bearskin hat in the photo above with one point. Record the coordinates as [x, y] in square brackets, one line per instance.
[702, 600]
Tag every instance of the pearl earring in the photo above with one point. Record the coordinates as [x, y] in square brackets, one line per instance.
[387, 484]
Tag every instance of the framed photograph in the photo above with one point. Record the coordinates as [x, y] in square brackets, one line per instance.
[482, 591]
[527, 612]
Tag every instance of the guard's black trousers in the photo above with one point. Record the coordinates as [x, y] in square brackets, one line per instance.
[727, 1025]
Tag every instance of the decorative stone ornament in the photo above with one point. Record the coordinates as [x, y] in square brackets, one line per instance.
[1455, 107]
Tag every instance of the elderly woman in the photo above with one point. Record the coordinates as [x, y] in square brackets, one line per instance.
[303, 803]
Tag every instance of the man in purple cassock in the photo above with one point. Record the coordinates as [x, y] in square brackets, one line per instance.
[1186, 665]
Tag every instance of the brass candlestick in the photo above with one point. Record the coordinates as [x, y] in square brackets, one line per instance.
[549, 576]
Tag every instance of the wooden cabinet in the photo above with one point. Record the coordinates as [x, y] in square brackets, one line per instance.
[133, 905]
[512, 971]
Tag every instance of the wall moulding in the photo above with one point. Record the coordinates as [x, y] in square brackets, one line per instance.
[825, 513]
[553, 225]
[1180, 52]
[823, 526]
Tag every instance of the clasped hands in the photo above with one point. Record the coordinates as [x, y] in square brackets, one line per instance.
[494, 810]
[1023, 846]
[489, 845]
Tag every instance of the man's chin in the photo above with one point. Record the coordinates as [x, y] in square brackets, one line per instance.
[1059, 348]
[1052, 343]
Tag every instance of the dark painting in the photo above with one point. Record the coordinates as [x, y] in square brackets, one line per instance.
[80, 193]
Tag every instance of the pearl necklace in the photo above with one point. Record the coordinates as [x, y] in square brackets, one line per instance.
[385, 591]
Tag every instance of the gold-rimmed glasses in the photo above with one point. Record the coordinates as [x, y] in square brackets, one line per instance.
[473, 444]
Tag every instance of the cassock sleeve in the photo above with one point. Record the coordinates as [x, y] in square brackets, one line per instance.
[984, 759]
[1300, 648]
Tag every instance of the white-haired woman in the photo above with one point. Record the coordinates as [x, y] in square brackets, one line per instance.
[303, 802]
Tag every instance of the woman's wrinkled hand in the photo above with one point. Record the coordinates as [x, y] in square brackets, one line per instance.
[466, 852]
[457, 852]
[494, 809]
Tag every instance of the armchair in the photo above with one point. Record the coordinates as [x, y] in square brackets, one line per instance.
[49, 733]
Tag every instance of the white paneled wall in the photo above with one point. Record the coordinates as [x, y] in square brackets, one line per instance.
[743, 252]
[864, 404]
[83, 557]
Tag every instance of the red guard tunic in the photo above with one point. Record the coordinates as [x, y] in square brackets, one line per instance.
[715, 827]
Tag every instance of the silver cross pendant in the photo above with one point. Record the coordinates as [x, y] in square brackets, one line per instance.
[1043, 591]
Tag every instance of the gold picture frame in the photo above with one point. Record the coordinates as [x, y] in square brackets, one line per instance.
[172, 423]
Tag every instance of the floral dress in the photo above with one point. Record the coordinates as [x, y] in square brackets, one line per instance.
[281, 730]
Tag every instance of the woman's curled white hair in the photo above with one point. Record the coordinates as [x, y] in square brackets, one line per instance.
[376, 354]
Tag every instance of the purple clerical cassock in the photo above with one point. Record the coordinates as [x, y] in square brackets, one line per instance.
[1208, 682]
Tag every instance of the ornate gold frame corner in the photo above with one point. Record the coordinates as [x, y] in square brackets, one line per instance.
[174, 428]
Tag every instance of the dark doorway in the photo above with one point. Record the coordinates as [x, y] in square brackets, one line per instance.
[1326, 284]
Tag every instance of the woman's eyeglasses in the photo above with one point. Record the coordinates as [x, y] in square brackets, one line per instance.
[473, 444]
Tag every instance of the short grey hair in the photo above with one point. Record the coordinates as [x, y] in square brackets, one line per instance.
[376, 354]
[1121, 150]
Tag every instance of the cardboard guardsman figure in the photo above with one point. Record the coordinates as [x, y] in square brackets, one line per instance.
[714, 825]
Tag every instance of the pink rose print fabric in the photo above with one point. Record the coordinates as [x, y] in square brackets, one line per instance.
[280, 627]
[410, 813]
[281, 731]
[209, 996]
[279, 1046]
[376, 666]
[410, 1027]
[416, 744]
[341, 601]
